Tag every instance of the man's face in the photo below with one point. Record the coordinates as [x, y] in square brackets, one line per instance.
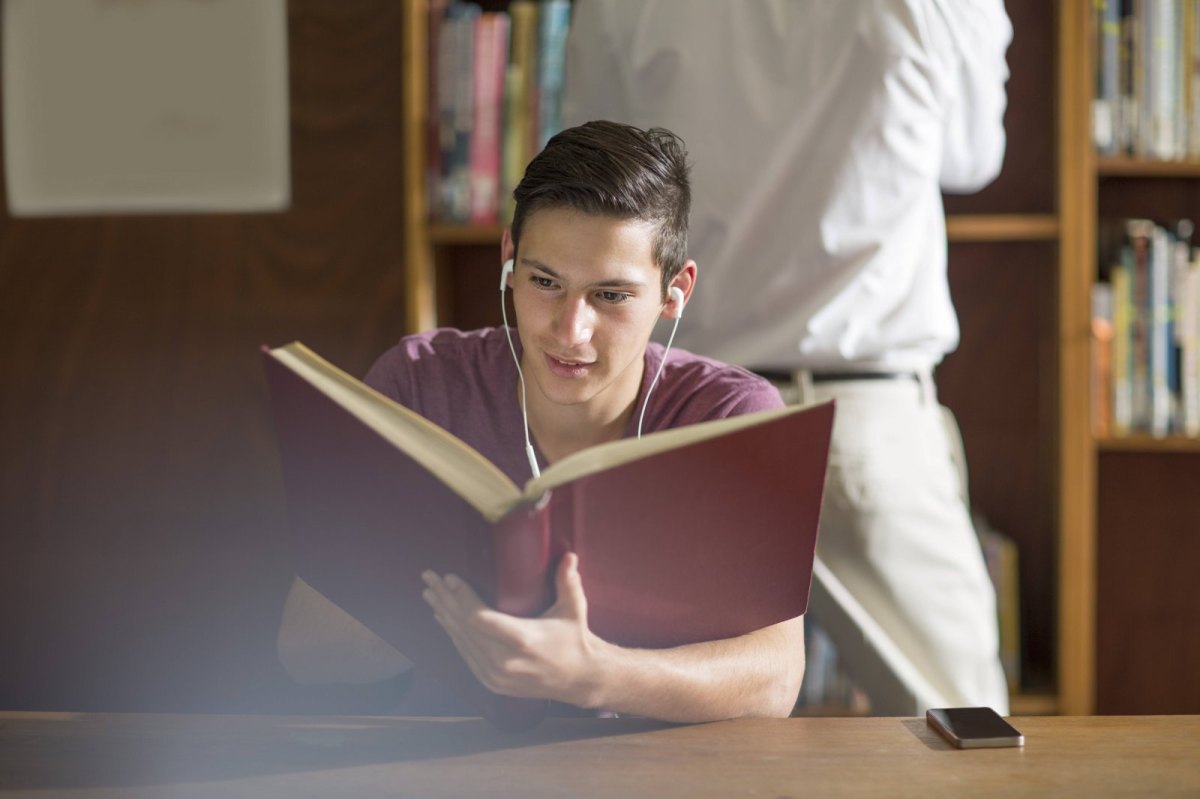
[587, 293]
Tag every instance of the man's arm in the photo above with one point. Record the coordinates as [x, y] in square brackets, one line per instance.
[557, 657]
[320, 643]
[969, 38]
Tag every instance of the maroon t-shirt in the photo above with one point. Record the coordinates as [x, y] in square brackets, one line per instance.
[466, 382]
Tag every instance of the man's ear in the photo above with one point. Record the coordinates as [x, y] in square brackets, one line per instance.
[685, 281]
[508, 250]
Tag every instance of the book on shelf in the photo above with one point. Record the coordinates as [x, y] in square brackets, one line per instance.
[496, 82]
[433, 147]
[692, 534]
[552, 56]
[1102, 358]
[1147, 302]
[1000, 555]
[455, 110]
[520, 100]
[491, 57]
[1146, 101]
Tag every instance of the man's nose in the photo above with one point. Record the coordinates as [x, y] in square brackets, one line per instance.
[576, 320]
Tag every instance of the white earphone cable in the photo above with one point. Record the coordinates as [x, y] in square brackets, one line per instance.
[677, 297]
[533, 464]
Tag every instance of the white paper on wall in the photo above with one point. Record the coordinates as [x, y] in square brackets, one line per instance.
[145, 106]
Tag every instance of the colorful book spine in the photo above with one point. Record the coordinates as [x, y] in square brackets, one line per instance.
[1102, 356]
[1159, 332]
[491, 58]
[1190, 348]
[520, 85]
[1122, 351]
[455, 109]
[1000, 555]
[552, 45]
[1105, 105]
[1153, 294]
[1146, 100]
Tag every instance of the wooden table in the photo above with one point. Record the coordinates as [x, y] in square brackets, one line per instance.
[85, 756]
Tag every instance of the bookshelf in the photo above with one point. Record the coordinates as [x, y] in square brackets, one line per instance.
[1128, 638]
[1038, 224]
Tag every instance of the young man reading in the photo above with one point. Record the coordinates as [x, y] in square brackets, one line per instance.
[598, 249]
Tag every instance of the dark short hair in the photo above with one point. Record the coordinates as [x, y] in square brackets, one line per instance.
[615, 170]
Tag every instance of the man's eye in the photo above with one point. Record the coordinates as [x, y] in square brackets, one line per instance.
[614, 296]
[541, 282]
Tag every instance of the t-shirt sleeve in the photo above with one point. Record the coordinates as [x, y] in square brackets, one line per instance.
[391, 375]
[718, 393]
[761, 396]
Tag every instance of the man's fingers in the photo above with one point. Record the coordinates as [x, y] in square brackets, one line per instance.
[453, 597]
[571, 601]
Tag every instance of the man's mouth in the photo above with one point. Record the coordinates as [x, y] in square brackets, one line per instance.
[568, 367]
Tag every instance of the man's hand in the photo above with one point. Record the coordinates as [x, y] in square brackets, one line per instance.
[554, 656]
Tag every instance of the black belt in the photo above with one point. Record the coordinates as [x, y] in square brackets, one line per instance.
[835, 377]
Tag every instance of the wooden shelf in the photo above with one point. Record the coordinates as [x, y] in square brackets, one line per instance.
[1144, 443]
[960, 228]
[1001, 227]
[1144, 168]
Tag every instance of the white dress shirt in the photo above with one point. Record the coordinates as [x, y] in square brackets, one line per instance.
[821, 133]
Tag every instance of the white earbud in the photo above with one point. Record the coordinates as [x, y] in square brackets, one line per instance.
[505, 271]
[676, 295]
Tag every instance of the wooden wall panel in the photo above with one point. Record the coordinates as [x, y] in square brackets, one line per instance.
[1000, 384]
[142, 557]
[1147, 553]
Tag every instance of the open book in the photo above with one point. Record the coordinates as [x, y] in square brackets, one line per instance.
[692, 534]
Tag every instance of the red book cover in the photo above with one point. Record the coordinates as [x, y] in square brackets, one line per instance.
[686, 535]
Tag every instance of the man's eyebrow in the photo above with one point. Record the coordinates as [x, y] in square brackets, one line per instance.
[611, 283]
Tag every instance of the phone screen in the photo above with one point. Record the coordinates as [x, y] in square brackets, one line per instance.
[973, 727]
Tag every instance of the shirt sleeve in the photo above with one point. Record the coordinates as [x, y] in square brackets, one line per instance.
[968, 39]
[391, 375]
[764, 397]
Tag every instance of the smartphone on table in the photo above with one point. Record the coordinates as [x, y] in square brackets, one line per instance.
[973, 727]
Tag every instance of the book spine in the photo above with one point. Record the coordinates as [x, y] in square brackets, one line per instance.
[433, 149]
[1160, 397]
[491, 50]
[456, 108]
[1142, 61]
[1181, 249]
[1000, 556]
[520, 83]
[1139, 323]
[1102, 334]
[1190, 346]
[1122, 352]
[1104, 108]
[1193, 69]
[552, 44]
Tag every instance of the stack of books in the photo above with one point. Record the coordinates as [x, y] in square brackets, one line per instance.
[1146, 331]
[1147, 97]
[496, 81]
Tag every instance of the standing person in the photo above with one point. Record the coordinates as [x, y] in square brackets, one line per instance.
[822, 135]
[595, 255]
